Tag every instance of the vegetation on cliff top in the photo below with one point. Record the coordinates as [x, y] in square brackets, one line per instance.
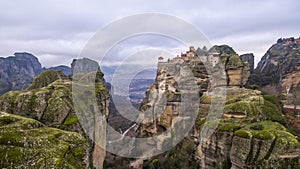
[245, 106]
[223, 49]
[52, 104]
[268, 130]
[45, 78]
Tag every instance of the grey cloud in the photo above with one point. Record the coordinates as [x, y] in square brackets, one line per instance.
[135, 44]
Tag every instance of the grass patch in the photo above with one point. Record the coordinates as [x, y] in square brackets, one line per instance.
[268, 130]
[247, 107]
[228, 124]
[26, 141]
[228, 127]
[243, 133]
[71, 120]
[263, 135]
[272, 112]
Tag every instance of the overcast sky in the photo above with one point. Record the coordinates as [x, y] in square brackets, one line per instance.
[56, 30]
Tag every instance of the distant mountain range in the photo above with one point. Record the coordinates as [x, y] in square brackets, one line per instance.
[65, 69]
[18, 71]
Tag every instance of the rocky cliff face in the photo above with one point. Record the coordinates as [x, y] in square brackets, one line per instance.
[27, 143]
[250, 119]
[237, 70]
[249, 135]
[84, 65]
[51, 105]
[18, 71]
[249, 58]
[49, 100]
[280, 66]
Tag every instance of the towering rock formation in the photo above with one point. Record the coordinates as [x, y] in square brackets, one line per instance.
[173, 78]
[49, 99]
[92, 101]
[278, 72]
[237, 70]
[84, 65]
[249, 135]
[249, 57]
[250, 119]
[18, 71]
[280, 66]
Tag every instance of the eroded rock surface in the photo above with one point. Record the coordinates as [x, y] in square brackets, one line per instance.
[250, 133]
[50, 101]
[18, 71]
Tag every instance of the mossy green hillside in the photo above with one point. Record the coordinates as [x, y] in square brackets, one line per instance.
[48, 105]
[27, 143]
[269, 130]
[51, 105]
[245, 106]
[45, 78]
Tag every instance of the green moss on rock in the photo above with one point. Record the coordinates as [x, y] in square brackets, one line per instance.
[272, 112]
[243, 133]
[234, 61]
[71, 120]
[248, 108]
[28, 143]
[45, 78]
[228, 126]
[269, 131]
[222, 49]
